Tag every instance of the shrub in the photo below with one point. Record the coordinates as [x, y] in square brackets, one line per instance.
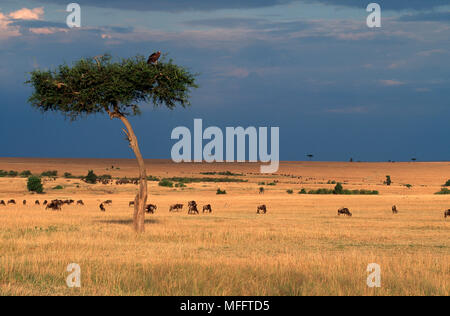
[409, 186]
[68, 175]
[290, 191]
[13, 174]
[180, 185]
[52, 173]
[165, 183]
[25, 173]
[261, 183]
[105, 177]
[91, 177]
[302, 191]
[58, 187]
[388, 180]
[338, 189]
[271, 183]
[447, 184]
[34, 184]
[219, 191]
[152, 178]
[443, 191]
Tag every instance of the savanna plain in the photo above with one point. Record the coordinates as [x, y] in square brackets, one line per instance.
[300, 247]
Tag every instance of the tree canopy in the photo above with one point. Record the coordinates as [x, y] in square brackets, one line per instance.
[100, 85]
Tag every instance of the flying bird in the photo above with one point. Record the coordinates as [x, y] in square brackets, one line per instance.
[153, 59]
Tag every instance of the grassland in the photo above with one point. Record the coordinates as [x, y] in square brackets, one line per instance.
[301, 247]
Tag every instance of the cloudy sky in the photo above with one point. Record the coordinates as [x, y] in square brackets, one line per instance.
[335, 87]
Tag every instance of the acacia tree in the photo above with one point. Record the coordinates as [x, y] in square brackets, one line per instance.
[100, 85]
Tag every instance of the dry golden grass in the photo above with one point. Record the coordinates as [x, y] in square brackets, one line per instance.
[301, 247]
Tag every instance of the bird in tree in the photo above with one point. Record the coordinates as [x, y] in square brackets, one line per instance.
[100, 85]
[153, 59]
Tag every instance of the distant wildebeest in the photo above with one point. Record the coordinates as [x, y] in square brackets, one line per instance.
[102, 208]
[176, 208]
[24, 202]
[37, 202]
[45, 202]
[2, 203]
[131, 204]
[261, 190]
[13, 202]
[151, 208]
[261, 209]
[107, 202]
[394, 210]
[207, 208]
[447, 213]
[192, 207]
[344, 211]
[54, 205]
[80, 202]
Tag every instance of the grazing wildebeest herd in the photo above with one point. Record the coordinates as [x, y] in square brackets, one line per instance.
[57, 204]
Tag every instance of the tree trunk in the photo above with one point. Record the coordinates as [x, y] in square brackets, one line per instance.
[140, 202]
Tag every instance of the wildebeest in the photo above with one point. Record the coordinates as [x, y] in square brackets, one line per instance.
[207, 208]
[176, 208]
[37, 202]
[12, 202]
[2, 203]
[80, 202]
[261, 208]
[447, 213]
[131, 204]
[107, 202]
[344, 211]
[261, 190]
[151, 208]
[45, 202]
[394, 210]
[192, 207]
[54, 205]
[102, 208]
[24, 202]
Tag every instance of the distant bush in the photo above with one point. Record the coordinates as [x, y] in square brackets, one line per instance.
[388, 180]
[25, 173]
[152, 178]
[180, 185]
[443, 191]
[52, 173]
[219, 191]
[331, 182]
[409, 186]
[68, 175]
[34, 184]
[289, 191]
[105, 177]
[224, 173]
[261, 183]
[338, 189]
[165, 183]
[58, 187]
[197, 180]
[10, 173]
[447, 184]
[302, 191]
[91, 177]
[271, 183]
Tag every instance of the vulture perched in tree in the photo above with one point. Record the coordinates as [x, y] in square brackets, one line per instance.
[153, 59]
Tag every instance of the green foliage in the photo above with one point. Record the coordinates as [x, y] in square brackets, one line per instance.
[92, 86]
[34, 184]
[261, 183]
[331, 182]
[180, 185]
[447, 184]
[302, 191]
[388, 180]
[52, 173]
[271, 183]
[225, 173]
[443, 191]
[197, 180]
[165, 183]
[219, 191]
[58, 187]
[68, 175]
[409, 186]
[152, 178]
[25, 173]
[105, 177]
[10, 173]
[338, 189]
[289, 191]
[91, 177]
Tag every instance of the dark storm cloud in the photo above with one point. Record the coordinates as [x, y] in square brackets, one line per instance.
[177, 5]
[387, 4]
[210, 5]
[431, 16]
